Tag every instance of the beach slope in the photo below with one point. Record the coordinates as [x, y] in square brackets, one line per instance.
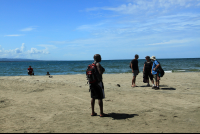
[40, 104]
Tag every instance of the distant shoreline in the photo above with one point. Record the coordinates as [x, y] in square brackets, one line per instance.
[32, 60]
[84, 74]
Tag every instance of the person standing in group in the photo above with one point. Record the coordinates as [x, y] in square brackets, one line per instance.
[97, 88]
[147, 71]
[155, 69]
[135, 70]
[30, 71]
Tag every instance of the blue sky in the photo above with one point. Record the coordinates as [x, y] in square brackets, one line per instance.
[116, 29]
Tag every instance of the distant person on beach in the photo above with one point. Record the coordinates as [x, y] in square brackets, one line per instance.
[147, 71]
[47, 73]
[30, 71]
[97, 88]
[135, 69]
[155, 69]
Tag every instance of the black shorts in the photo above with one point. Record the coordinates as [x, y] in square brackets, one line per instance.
[97, 90]
[148, 75]
[30, 73]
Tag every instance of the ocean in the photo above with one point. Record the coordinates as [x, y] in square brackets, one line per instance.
[19, 68]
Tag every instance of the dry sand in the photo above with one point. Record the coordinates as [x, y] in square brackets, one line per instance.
[41, 104]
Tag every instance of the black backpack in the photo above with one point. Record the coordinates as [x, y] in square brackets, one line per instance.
[91, 73]
[130, 65]
[161, 72]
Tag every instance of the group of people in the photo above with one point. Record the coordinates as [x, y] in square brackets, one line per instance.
[31, 72]
[150, 70]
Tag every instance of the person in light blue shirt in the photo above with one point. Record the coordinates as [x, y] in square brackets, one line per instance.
[154, 72]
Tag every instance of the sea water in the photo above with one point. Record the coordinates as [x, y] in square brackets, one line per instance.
[19, 68]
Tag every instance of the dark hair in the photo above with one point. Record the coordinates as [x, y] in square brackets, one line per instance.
[97, 57]
[147, 57]
[136, 55]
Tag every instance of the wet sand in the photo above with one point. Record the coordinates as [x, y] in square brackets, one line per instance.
[39, 104]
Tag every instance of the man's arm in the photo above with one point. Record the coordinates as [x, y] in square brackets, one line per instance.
[157, 66]
[100, 69]
[132, 67]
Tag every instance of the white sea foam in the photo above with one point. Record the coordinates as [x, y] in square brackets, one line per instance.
[181, 70]
[168, 71]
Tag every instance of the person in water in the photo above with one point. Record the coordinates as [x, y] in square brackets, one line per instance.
[30, 71]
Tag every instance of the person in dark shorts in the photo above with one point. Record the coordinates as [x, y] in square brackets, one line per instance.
[30, 71]
[147, 71]
[97, 89]
[135, 69]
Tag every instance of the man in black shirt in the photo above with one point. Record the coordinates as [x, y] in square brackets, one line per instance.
[147, 70]
[135, 69]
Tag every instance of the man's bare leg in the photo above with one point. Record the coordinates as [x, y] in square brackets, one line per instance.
[101, 109]
[101, 106]
[133, 81]
[152, 82]
[92, 105]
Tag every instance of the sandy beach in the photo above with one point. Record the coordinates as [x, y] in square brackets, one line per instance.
[39, 104]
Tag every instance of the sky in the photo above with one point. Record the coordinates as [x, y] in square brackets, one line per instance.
[115, 29]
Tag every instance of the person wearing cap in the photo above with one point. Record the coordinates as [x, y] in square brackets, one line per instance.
[135, 69]
[97, 89]
[147, 70]
[155, 68]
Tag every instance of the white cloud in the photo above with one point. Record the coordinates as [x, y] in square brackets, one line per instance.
[15, 35]
[90, 27]
[22, 47]
[36, 51]
[170, 42]
[48, 46]
[136, 6]
[17, 50]
[27, 29]
[20, 52]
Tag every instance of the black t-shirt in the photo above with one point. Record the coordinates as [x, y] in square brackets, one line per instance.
[134, 64]
[148, 66]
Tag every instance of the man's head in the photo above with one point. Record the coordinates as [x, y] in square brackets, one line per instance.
[29, 66]
[136, 56]
[147, 58]
[97, 57]
[153, 58]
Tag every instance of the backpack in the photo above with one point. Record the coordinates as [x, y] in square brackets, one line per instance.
[161, 72]
[91, 73]
[130, 65]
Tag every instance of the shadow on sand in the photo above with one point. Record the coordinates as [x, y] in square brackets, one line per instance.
[120, 116]
[165, 87]
[170, 88]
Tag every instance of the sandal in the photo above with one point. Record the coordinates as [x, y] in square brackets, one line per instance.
[104, 115]
[95, 114]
